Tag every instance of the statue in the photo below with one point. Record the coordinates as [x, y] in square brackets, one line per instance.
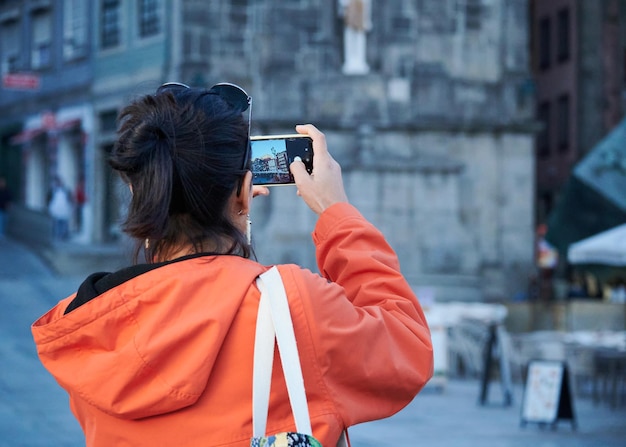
[357, 22]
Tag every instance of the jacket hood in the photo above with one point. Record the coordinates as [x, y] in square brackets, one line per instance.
[148, 345]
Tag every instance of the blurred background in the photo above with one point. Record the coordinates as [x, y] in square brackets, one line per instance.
[485, 138]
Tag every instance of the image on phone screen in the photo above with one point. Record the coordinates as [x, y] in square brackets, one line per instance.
[272, 155]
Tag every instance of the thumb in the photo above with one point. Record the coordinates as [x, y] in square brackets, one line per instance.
[298, 170]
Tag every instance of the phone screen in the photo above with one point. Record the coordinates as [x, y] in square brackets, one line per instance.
[272, 155]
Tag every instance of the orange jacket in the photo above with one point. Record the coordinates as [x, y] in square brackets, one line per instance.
[165, 357]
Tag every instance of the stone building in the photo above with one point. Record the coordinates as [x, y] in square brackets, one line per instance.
[45, 113]
[577, 56]
[427, 105]
[436, 140]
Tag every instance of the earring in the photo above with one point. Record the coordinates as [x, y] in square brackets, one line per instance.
[248, 230]
[146, 243]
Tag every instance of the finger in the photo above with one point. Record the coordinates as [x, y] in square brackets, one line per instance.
[258, 190]
[319, 139]
[300, 175]
[298, 170]
[308, 129]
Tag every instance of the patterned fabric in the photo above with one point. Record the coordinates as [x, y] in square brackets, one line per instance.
[286, 439]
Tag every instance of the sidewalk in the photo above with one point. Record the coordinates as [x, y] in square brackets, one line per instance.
[15, 259]
[453, 418]
[74, 258]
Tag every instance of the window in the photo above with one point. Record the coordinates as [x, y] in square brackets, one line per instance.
[563, 35]
[544, 43]
[74, 29]
[10, 46]
[41, 55]
[473, 14]
[543, 138]
[108, 120]
[110, 33]
[12, 63]
[239, 13]
[149, 23]
[563, 122]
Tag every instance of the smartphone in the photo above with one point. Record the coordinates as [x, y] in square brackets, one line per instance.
[272, 155]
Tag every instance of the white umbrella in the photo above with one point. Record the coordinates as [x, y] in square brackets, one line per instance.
[606, 248]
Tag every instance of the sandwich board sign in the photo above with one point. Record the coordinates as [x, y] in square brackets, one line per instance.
[547, 396]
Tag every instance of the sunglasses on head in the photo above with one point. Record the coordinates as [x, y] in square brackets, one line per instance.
[234, 96]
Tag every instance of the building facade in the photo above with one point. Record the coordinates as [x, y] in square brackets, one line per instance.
[132, 47]
[427, 105]
[45, 108]
[578, 55]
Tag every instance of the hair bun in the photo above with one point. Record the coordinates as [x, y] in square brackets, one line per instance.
[159, 133]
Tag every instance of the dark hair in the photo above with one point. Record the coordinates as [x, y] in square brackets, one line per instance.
[182, 152]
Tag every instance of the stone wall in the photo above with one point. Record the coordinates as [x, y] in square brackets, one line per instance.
[435, 140]
[460, 217]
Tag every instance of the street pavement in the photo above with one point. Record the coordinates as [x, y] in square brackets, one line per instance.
[34, 410]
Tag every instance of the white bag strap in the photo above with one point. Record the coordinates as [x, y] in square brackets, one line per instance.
[274, 318]
[263, 363]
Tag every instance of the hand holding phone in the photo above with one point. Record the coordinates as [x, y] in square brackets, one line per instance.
[325, 187]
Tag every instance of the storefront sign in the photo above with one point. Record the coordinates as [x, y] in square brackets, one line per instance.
[20, 81]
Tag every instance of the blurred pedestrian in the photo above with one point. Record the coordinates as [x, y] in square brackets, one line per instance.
[60, 209]
[5, 202]
[80, 198]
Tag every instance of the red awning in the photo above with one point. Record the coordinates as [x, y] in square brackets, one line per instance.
[30, 134]
[27, 135]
